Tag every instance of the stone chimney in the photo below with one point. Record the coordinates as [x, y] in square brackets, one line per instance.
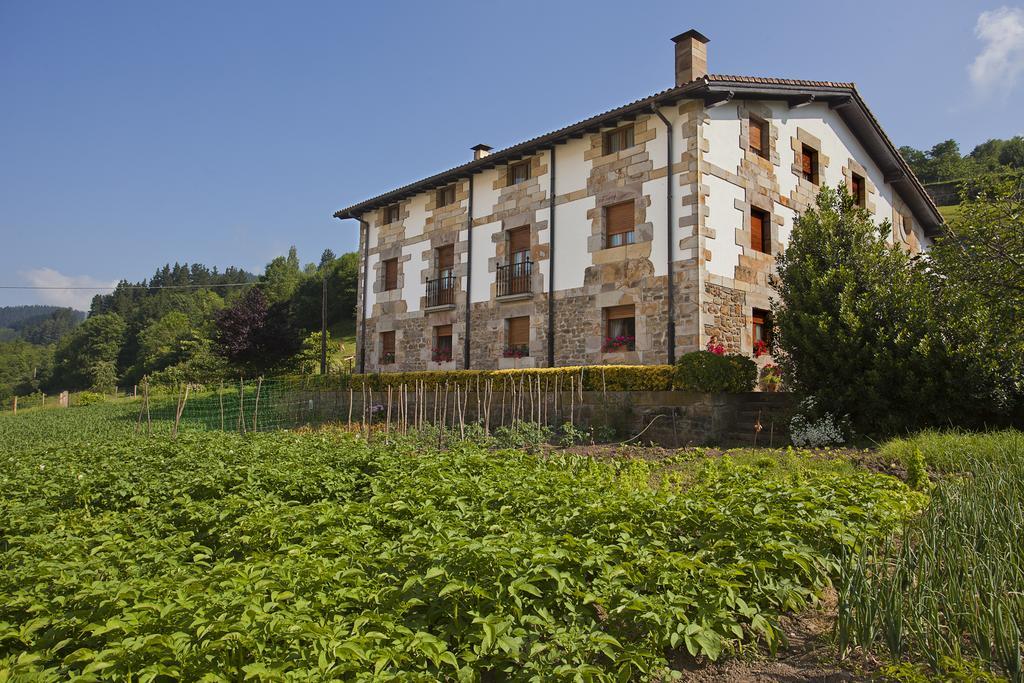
[691, 56]
[480, 151]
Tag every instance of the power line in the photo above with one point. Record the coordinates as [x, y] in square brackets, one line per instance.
[94, 289]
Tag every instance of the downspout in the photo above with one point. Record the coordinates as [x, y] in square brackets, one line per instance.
[671, 331]
[551, 264]
[469, 274]
[365, 230]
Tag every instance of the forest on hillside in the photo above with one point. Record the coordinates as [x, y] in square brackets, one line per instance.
[944, 160]
[188, 322]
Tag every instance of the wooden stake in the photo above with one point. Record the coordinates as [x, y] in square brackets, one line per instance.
[256, 408]
[220, 395]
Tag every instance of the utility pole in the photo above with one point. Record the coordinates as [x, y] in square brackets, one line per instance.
[323, 321]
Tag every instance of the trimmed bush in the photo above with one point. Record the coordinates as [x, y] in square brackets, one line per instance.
[708, 372]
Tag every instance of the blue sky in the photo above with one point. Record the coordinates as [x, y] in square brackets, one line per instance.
[137, 133]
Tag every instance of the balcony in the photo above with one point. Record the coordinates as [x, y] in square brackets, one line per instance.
[441, 292]
[515, 280]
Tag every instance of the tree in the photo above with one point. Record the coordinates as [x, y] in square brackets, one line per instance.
[254, 335]
[1012, 153]
[977, 269]
[854, 322]
[78, 357]
[282, 277]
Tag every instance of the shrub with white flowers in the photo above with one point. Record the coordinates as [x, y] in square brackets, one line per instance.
[806, 430]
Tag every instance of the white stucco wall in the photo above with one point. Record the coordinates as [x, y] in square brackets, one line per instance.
[722, 133]
[724, 218]
[417, 219]
[572, 230]
[412, 285]
[656, 217]
[371, 274]
[571, 170]
[483, 249]
[484, 194]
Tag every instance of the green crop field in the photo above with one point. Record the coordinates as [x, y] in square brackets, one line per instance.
[310, 556]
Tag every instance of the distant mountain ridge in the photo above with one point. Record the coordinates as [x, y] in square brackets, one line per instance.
[38, 324]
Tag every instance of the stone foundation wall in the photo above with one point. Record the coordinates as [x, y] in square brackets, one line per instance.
[672, 419]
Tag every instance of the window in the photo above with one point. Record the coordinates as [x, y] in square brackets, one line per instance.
[760, 231]
[908, 225]
[392, 214]
[518, 172]
[387, 348]
[809, 164]
[445, 260]
[762, 330]
[519, 244]
[618, 139]
[620, 224]
[517, 337]
[620, 328]
[442, 351]
[858, 190]
[758, 137]
[390, 274]
[445, 196]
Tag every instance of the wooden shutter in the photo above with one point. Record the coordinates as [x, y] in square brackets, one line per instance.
[387, 342]
[443, 331]
[757, 136]
[619, 312]
[620, 218]
[446, 257]
[857, 189]
[808, 163]
[519, 331]
[519, 240]
[761, 328]
[760, 231]
[391, 274]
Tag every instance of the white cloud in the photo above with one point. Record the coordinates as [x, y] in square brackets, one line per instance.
[1001, 61]
[76, 298]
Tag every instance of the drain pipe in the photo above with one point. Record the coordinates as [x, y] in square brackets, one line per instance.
[671, 342]
[469, 273]
[364, 228]
[551, 263]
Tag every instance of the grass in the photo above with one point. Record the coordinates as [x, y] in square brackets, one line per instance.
[950, 591]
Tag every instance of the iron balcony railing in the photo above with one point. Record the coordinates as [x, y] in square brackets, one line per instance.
[441, 291]
[515, 278]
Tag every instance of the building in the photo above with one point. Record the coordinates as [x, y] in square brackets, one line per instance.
[630, 237]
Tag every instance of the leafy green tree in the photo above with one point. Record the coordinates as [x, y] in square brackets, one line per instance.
[854, 321]
[282, 277]
[1012, 153]
[98, 340]
[977, 268]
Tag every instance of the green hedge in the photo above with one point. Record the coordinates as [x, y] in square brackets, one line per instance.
[707, 372]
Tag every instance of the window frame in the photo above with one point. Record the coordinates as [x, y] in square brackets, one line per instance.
[390, 274]
[766, 230]
[611, 316]
[764, 141]
[859, 189]
[517, 348]
[384, 350]
[392, 214]
[762, 318]
[629, 236]
[438, 347]
[513, 167]
[445, 196]
[623, 136]
[813, 154]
